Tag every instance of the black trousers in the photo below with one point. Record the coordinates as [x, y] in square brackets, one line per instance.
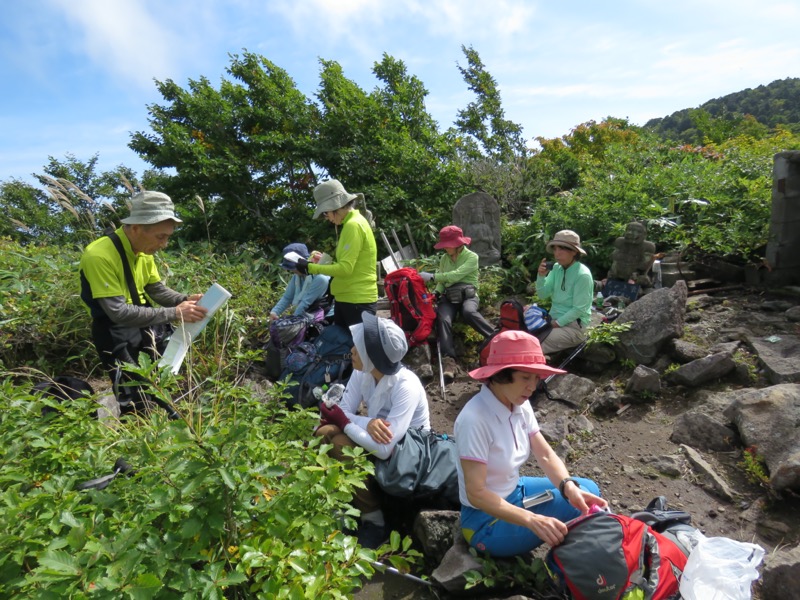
[346, 314]
[446, 312]
[117, 346]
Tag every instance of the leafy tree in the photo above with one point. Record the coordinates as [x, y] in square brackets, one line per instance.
[484, 119]
[386, 145]
[243, 149]
[492, 147]
[30, 213]
[74, 205]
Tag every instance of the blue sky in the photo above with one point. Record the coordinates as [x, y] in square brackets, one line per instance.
[78, 74]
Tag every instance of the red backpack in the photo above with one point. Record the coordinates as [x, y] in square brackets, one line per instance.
[512, 316]
[411, 304]
[614, 557]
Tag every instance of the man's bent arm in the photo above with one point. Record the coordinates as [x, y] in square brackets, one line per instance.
[163, 295]
[130, 315]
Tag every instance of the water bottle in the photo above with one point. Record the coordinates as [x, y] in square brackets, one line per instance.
[333, 395]
[319, 392]
[598, 300]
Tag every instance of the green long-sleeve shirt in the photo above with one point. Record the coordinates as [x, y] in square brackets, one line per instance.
[572, 291]
[354, 270]
[463, 270]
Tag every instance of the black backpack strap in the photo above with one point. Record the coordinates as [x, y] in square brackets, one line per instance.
[126, 267]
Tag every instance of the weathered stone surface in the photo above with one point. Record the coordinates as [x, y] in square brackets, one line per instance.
[644, 380]
[703, 370]
[671, 466]
[781, 574]
[555, 430]
[707, 476]
[418, 359]
[478, 215]
[571, 388]
[684, 352]
[632, 256]
[109, 408]
[767, 419]
[436, 531]
[704, 432]
[457, 561]
[655, 319]
[780, 356]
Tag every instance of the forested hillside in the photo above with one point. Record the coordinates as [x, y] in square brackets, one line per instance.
[773, 105]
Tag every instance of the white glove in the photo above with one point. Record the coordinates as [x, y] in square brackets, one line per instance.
[426, 276]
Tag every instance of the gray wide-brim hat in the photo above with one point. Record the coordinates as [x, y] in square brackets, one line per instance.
[148, 208]
[331, 195]
[385, 343]
[567, 238]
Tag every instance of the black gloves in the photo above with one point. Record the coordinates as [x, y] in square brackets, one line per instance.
[302, 266]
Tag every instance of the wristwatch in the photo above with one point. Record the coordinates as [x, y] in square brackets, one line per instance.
[564, 482]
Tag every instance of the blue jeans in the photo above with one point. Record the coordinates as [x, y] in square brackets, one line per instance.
[488, 534]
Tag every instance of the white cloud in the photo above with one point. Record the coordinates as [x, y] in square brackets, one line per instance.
[121, 37]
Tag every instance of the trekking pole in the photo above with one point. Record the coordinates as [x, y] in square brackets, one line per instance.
[441, 369]
[394, 571]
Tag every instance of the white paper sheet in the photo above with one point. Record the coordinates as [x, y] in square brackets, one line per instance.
[215, 298]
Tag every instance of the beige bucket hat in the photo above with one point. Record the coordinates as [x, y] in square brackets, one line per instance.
[331, 195]
[148, 208]
[567, 238]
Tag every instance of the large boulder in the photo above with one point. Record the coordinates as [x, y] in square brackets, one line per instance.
[655, 319]
[767, 419]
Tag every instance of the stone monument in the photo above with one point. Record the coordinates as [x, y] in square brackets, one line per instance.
[633, 256]
[478, 215]
[783, 244]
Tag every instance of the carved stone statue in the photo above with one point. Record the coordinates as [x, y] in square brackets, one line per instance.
[632, 256]
[478, 215]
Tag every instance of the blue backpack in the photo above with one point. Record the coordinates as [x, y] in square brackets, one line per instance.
[329, 362]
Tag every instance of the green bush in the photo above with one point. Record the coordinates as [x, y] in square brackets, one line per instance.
[237, 500]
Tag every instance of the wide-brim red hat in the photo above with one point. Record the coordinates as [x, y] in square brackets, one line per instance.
[515, 349]
[452, 237]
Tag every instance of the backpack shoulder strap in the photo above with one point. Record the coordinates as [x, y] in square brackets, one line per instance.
[126, 267]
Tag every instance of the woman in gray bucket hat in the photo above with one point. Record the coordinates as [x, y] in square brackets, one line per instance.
[394, 401]
[354, 283]
[571, 286]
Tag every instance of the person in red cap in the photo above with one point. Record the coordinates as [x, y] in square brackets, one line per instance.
[495, 434]
[456, 291]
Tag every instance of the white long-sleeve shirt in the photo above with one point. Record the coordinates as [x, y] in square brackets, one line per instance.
[399, 399]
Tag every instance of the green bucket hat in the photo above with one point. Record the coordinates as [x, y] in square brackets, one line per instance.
[331, 195]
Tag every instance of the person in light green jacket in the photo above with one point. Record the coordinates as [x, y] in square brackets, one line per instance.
[354, 283]
[570, 285]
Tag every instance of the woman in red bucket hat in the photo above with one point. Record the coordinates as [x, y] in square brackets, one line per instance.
[456, 291]
[496, 432]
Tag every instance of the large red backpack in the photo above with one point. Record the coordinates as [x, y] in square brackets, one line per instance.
[614, 557]
[411, 304]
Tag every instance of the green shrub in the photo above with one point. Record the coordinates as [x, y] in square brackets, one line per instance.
[237, 500]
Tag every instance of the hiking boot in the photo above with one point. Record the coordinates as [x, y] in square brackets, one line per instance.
[448, 368]
[370, 535]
